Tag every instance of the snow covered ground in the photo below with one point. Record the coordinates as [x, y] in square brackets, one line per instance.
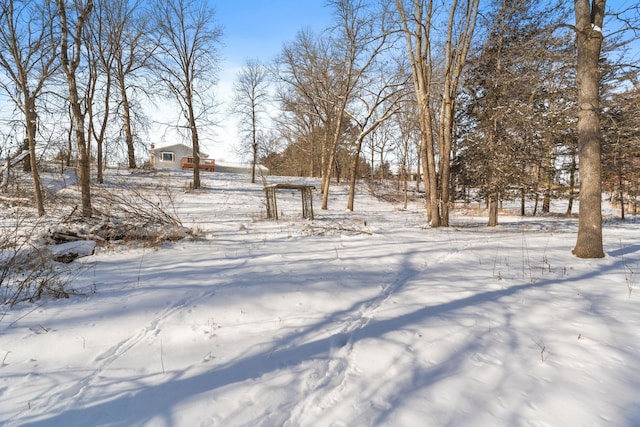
[354, 319]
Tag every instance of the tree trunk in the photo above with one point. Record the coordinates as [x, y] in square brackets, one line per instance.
[83, 153]
[100, 135]
[254, 162]
[445, 156]
[403, 171]
[195, 142]
[493, 210]
[126, 117]
[254, 142]
[548, 175]
[589, 42]
[431, 179]
[327, 180]
[354, 175]
[31, 120]
[621, 193]
[418, 171]
[196, 155]
[572, 184]
[332, 157]
[458, 42]
[69, 144]
[70, 66]
[325, 168]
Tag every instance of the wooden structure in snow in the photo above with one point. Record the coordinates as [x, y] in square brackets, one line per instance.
[306, 192]
[205, 164]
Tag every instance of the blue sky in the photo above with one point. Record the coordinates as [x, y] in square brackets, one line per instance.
[257, 29]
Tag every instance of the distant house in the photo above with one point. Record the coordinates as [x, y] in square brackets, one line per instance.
[177, 156]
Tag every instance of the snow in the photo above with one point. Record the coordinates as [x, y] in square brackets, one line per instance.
[72, 250]
[366, 318]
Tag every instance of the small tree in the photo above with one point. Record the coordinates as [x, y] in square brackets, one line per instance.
[304, 75]
[186, 42]
[251, 94]
[100, 57]
[128, 26]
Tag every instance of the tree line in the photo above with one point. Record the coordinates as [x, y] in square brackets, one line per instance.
[490, 100]
[80, 71]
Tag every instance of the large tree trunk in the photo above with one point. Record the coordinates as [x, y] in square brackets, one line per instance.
[83, 152]
[589, 20]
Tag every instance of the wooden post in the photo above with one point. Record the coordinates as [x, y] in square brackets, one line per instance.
[272, 204]
[307, 202]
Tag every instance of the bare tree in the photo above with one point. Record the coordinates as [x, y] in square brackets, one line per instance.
[117, 51]
[358, 39]
[460, 29]
[73, 19]
[380, 97]
[304, 74]
[251, 94]
[588, 28]
[186, 42]
[100, 59]
[28, 53]
[417, 19]
[129, 25]
[321, 76]
[408, 143]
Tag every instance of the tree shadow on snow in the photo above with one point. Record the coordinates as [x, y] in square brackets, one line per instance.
[144, 403]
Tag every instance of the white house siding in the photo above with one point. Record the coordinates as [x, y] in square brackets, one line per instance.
[168, 157]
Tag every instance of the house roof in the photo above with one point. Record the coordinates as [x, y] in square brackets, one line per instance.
[176, 147]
